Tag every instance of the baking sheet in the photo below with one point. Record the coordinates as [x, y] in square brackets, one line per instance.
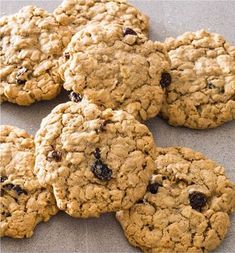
[168, 18]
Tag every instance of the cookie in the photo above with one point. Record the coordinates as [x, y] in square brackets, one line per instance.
[185, 208]
[23, 201]
[78, 13]
[31, 42]
[97, 161]
[202, 93]
[116, 68]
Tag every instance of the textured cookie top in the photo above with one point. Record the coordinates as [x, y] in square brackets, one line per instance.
[31, 41]
[77, 13]
[202, 93]
[23, 202]
[97, 161]
[185, 208]
[117, 69]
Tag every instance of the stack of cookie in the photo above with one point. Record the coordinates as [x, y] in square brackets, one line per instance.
[94, 154]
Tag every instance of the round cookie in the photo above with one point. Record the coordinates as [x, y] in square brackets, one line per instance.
[185, 208]
[24, 202]
[202, 93]
[97, 161]
[77, 13]
[116, 68]
[31, 42]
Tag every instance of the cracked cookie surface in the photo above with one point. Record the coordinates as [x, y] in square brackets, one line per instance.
[31, 42]
[202, 92]
[116, 68]
[186, 207]
[97, 161]
[77, 13]
[23, 201]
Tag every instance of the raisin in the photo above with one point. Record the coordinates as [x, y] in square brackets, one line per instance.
[104, 124]
[222, 90]
[97, 153]
[210, 85]
[153, 188]
[151, 227]
[75, 97]
[3, 179]
[7, 214]
[197, 200]
[101, 171]
[20, 81]
[140, 201]
[165, 80]
[54, 155]
[8, 186]
[66, 56]
[129, 31]
[19, 190]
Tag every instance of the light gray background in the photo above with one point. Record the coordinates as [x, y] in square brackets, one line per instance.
[168, 18]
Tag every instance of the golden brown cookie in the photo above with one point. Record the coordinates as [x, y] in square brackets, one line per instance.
[117, 68]
[97, 161]
[202, 92]
[78, 13]
[31, 42]
[23, 202]
[186, 206]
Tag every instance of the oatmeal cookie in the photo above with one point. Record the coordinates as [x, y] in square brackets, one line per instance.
[77, 13]
[202, 93]
[186, 207]
[23, 201]
[31, 42]
[118, 69]
[97, 161]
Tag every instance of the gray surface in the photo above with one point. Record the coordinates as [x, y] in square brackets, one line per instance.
[168, 18]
